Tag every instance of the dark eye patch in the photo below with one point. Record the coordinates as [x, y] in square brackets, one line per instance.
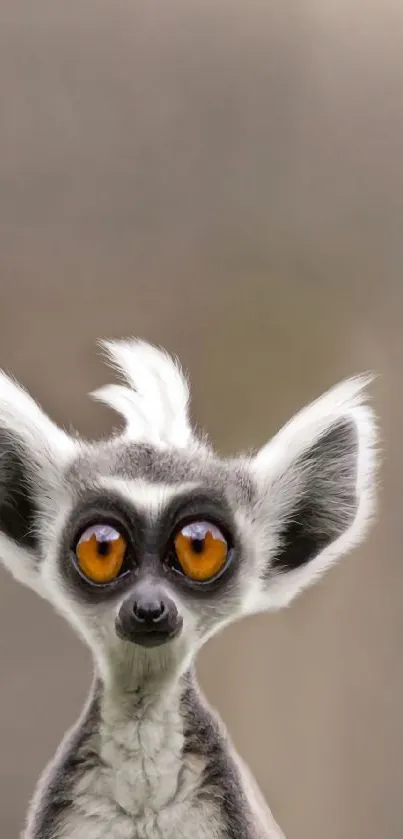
[110, 509]
[149, 541]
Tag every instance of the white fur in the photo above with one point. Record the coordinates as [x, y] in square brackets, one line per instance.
[155, 405]
[151, 498]
[21, 563]
[22, 416]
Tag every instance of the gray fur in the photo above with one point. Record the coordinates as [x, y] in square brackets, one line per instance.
[148, 758]
[203, 774]
[55, 793]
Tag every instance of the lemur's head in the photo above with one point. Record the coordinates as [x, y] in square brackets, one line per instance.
[149, 542]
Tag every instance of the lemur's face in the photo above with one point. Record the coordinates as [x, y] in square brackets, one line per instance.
[155, 549]
[148, 542]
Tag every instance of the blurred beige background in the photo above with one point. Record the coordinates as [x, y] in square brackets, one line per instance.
[224, 178]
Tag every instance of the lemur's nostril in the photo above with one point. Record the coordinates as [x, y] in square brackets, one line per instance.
[149, 611]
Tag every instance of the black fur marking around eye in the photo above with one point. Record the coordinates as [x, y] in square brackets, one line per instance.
[18, 511]
[198, 504]
[203, 506]
[328, 502]
[99, 507]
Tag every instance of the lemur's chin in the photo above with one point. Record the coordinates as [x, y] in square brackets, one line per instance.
[148, 637]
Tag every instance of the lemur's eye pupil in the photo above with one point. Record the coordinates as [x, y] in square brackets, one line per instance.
[201, 550]
[198, 545]
[100, 553]
[103, 548]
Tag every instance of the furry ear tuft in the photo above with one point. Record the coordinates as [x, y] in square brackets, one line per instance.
[155, 404]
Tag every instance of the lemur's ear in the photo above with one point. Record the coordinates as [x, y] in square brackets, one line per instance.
[315, 483]
[33, 453]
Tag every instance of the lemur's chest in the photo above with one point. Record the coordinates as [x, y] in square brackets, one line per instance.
[158, 771]
[140, 787]
[139, 802]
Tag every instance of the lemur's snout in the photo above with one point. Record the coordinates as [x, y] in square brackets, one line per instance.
[148, 617]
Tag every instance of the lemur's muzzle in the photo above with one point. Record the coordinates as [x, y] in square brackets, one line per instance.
[148, 616]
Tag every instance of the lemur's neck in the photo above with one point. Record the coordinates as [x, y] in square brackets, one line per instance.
[150, 719]
[153, 741]
[156, 704]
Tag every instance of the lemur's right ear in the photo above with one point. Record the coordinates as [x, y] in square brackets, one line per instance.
[33, 453]
[316, 488]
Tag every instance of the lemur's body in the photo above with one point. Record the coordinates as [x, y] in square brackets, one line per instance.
[149, 767]
[149, 544]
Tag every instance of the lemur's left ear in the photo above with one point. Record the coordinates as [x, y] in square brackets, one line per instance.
[315, 483]
[33, 454]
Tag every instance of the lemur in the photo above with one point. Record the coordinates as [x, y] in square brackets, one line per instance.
[149, 543]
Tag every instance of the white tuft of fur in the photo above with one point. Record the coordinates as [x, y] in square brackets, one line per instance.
[23, 418]
[155, 402]
[276, 461]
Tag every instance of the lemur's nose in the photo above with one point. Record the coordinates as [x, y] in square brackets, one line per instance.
[149, 610]
[148, 616]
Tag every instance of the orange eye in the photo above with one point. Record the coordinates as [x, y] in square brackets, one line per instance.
[100, 552]
[201, 550]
